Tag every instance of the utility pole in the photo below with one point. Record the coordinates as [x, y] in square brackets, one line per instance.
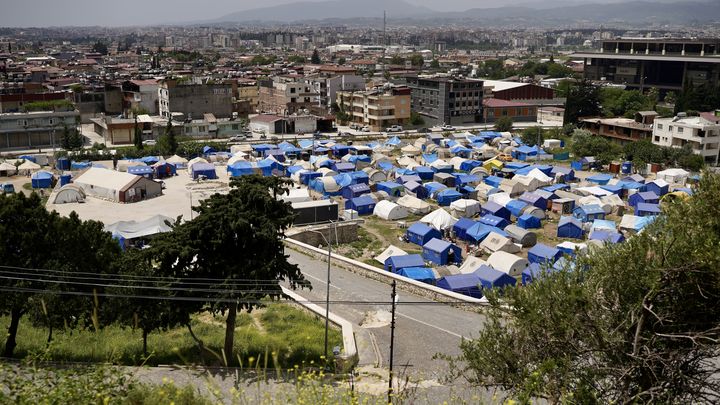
[393, 296]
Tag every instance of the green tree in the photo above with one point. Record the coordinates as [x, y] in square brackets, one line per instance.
[417, 60]
[137, 136]
[416, 119]
[168, 144]
[397, 60]
[635, 322]
[435, 64]
[341, 60]
[583, 100]
[249, 219]
[503, 124]
[624, 103]
[315, 59]
[585, 143]
[296, 59]
[100, 47]
[532, 136]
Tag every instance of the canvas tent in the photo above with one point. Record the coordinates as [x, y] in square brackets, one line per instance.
[465, 208]
[520, 235]
[673, 176]
[508, 263]
[389, 210]
[138, 229]
[413, 204]
[471, 264]
[7, 169]
[390, 251]
[117, 186]
[69, 193]
[439, 219]
[495, 242]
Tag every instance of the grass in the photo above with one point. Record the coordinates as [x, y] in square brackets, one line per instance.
[279, 335]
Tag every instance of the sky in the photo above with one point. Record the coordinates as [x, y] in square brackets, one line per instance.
[44, 13]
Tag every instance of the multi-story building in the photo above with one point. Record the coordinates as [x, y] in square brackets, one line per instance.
[37, 128]
[664, 63]
[449, 101]
[701, 133]
[141, 95]
[17, 102]
[620, 130]
[285, 95]
[194, 100]
[377, 109]
[328, 87]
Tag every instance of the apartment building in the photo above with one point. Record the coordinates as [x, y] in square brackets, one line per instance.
[701, 133]
[328, 87]
[620, 130]
[194, 100]
[36, 129]
[285, 95]
[141, 95]
[442, 100]
[377, 109]
[664, 63]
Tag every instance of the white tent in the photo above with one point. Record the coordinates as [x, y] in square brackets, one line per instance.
[520, 235]
[500, 198]
[413, 204]
[592, 200]
[408, 162]
[614, 201]
[465, 208]
[527, 182]
[512, 186]
[389, 210]
[137, 229]
[483, 189]
[320, 160]
[327, 172]
[296, 195]
[471, 264]
[8, 168]
[193, 161]
[243, 147]
[235, 159]
[508, 263]
[329, 184]
[456, 162]
[578, 247]
[410, 150]
[420, 142]
[391, 250]
[178, 161]
[375, 176]
[495, 242]
[593, 190]
[673, 176]
[379, 158]
[69, 193]
[28, 167]
[439, 219]
[540, 176]
[439, 164]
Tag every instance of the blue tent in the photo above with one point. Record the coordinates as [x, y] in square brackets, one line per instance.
[447, 168]
[513, 166]
[466, 179]
[360, 177]
[419, 233]
[495, 221]
[355, 190]
[425, 173]
[613, 188]
[570, 227]
[394, 141]
[478, 232]
[305, 177]
[589, 212]
[567, 173]
[534, 199]
[516, 207]
[447, 196]
[496, 209]
[533, 271]
[164, 170]
[493, 181]
[546, 169]
[422, 274]
[340, 150]
[491, 278]
[240, 168]
[523, 152]
[343, 180]
[364, 204]
[468, 165]
[63, 163]
[393, 189]
[600, 178]
[80, 165]
[528, 221]
[429, 157]
[555, 187]
[203, 169]
[645, 209]
[208, 149]
[417, 189]
[434, 187]
[396, 263]
[150, 160]
[468, 284]
[145, 171]
[606, 236]
[409, 177]
[461, 226]
[647, 197]
[659, 189]
[441, 252]
[632, 185]
[41, 179]
[341, 166]
[28, 157]
[543, 254]
[354, 159]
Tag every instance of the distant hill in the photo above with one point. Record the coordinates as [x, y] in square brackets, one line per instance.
[640, 11]
[323, 10]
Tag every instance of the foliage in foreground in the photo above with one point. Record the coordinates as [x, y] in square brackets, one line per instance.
[631, 323]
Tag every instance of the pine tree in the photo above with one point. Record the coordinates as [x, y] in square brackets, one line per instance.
[315, 58]
[137, 139]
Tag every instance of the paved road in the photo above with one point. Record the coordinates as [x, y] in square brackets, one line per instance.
[421, 330]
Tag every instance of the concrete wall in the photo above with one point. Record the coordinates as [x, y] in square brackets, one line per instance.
[344, 232]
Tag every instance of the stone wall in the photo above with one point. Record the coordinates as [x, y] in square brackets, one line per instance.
[340, 232]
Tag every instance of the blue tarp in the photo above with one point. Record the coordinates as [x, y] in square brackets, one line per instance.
[528, 221]
[599, 178]
[419, 233]
[543, 254]
[533, 271]
[478, 232]
[422, 274]
[208, 149]
[493, 181]
[203, 169]
[496, 209]
[80, 165]
[240, 169]
[355, 190]
[495, 221]
[645, 209]
[343, 166]
[464, 179]
[394, 141]
[461, 226]
[441, 252]
[393, 189]
[41, 179]
[150, 160]
[606, 236]
[516, 207]
[141, 170]
[429, 157]
[434, 187]
[468, 284]
[395, 263]
[305, 177]
[570, 227]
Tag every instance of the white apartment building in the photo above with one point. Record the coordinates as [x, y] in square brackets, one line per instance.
[36, 129]
[702, 133]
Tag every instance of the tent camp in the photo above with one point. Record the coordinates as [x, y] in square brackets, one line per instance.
[508, 263]
[117, 186]
[138, 229]
[364, 205]
[570, 227]
[420, 234]
[471, 264]
[439, 219]
[42, 179]
[441, 252]
[389, 210]
[465, 208]
[492, 278]
[390, 251]
[520, 235]
[467, 284]
[495, 243]
[543, 254]
[413, 204]
[394, 263]
[69, 193]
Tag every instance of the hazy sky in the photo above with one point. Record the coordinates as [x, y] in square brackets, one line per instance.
[25, 13]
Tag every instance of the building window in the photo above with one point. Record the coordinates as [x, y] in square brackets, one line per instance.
[659, 126]
[657, 139]
[680, 130]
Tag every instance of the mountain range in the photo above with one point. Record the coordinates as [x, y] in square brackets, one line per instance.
[640, 11]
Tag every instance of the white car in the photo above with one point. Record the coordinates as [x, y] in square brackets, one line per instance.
[149, 142]
[394, 128]
[365, 129]
[447, 128]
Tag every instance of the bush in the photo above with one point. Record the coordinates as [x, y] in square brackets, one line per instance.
[503, 124]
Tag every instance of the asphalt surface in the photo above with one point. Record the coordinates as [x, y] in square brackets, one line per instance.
[423, 327]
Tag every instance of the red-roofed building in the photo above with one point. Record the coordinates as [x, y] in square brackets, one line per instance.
[495, 108]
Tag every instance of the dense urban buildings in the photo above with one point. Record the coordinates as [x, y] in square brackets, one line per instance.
[447, 101]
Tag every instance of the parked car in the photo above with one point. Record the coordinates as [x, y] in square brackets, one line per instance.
[394, 128]
[7, 188]
[238, 138]
[447, 128]
[423, 130]
[149, 142]
[365, 129]
[354, 125]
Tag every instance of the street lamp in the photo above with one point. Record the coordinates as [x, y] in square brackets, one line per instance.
[327, 291]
